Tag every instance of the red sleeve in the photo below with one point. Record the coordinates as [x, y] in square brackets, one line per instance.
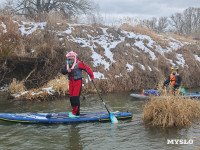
[81, 66]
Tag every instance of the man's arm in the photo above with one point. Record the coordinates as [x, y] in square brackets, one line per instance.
[82, 66]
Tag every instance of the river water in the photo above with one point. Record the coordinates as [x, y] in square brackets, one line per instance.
[129, 134]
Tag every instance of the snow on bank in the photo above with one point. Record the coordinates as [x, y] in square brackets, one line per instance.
[197, 57]
[4, 88]
[140, 42]
[181, 60]
[4, 26]
[99, 75]
[49, 91]
[141, 66]
[118, 76]
[129, 67]
[109, 42]
[27, 28]
[150, 68]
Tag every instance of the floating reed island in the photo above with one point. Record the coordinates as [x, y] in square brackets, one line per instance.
[171, 111]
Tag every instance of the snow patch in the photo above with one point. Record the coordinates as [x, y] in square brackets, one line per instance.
[149, 68]
[86, 80]
[140, 43]
[98, 59]
[29, 30]
[197, 57]
[129, 67]
[20, 94]
[49, 90]
[118, 76]
[171, 62]
[68, 31]
[4, 26]
[99, 75]
[181, 60]
[141, 66]
[175, 45]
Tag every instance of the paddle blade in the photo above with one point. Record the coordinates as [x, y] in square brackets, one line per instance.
[113, 118]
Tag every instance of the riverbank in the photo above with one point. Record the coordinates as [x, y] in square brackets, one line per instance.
[122, 58]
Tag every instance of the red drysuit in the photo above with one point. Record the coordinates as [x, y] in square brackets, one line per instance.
[75, 84]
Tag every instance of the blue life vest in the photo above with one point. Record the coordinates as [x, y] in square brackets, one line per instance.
[76, 73]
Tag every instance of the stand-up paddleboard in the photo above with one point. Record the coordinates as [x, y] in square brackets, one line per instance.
[186, 95]
[55, 118]
[139, 96]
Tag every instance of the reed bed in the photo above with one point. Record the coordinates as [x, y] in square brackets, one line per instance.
[171, 110]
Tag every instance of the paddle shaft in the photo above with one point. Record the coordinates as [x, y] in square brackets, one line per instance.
[96, 89]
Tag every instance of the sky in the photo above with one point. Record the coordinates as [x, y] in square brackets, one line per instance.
[111, 10]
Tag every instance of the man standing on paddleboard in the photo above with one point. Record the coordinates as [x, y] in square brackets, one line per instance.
[74, 69]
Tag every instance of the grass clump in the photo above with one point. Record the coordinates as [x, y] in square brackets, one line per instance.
[60, 84]
[17, 86]
[172, 110]
[57, 86]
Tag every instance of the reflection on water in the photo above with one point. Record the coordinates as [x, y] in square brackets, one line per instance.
[74, 138]
[128, 134]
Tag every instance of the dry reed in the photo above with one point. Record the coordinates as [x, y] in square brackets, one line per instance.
[35, 94]
[60, 84]
[57, 86]
[171, 110]
[17, 86]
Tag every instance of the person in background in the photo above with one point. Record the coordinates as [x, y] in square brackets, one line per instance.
[174, 78]
[74, 69]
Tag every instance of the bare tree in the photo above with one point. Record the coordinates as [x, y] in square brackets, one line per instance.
[157, 25]
[162, 24]
[7, 9]
[151, 24]
[69, 8]
[186, 23]
[177, 22]
[192, 20]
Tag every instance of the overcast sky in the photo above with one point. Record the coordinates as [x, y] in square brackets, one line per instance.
[142, 9]
[112, 10]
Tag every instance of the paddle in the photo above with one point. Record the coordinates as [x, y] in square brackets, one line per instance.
[112, 117]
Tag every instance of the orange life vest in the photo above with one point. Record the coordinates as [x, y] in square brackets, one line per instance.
[172, 79]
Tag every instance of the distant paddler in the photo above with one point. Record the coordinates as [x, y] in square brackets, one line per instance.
[174, 78]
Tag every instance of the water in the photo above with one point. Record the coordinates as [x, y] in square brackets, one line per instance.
[129, 134]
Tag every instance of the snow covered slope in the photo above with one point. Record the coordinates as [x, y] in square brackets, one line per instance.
[121, 54]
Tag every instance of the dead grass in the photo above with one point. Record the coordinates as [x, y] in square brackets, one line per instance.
[17, 86]
[159, 38]
[181, 38]
[9, 37]
[60, 84]
[137, 29]
[35, 94]
[171, 111]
